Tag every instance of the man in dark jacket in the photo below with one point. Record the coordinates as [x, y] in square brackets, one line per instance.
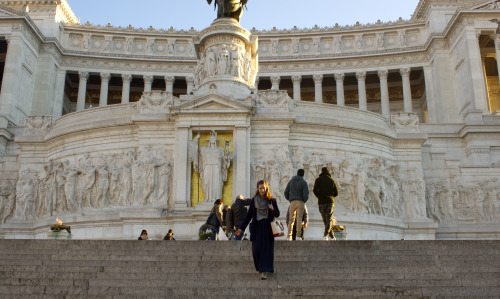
[297, 193]
[325, 190]
[237, 214]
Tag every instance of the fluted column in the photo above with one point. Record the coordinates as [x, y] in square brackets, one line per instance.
[339, 81]
[103, 98]
[126, 79]
[384, 92]
[296, 80]
[405, 74]
[148, 82]
[318, 88]
[190, 84]
[275, 81]
[169, 83]
[82, 90]
[497, 50]
[361, 76]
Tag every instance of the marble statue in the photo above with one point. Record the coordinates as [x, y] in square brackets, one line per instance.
[212, 163]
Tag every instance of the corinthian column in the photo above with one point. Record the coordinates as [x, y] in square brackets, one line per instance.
[103, 98]
[339, 80]
[148, 82]
[384, 92]
[169, 84]
[82, 90]
[361, 76]
[275, 81]
[296, 88]
[408, 105]
[126, 78]
[318, 88]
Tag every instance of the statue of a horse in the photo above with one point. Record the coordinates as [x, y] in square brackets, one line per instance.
[229, 8]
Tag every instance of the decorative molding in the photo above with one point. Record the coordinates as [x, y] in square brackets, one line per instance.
[404, 122]
[155, 102]
[38, 125]
[272, 101]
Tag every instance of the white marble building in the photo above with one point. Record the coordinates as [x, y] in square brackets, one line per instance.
[98, 123]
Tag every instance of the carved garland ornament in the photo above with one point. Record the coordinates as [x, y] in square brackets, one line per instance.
[38, 125]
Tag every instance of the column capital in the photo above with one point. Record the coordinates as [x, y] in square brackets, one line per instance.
[383, 74]
[105, 76]
[126, 77]
[169, 79]
[84, 75]
[275, 79]
[296, 79]
[148, 79]
[496, 38]
[361, 76]
[405, 71]
[318, 78]
[339, 76]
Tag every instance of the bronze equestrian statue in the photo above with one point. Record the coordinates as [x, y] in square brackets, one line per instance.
[229, 8]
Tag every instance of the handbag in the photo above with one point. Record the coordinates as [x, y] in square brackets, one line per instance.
[278, 228]
[212, 220]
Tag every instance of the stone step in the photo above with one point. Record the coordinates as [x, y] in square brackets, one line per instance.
[208, 264]
[266, 289]
[249, 282]
[100, 274]
[309, 269]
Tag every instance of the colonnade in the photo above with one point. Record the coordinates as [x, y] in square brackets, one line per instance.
[361, 78]
[126, 80]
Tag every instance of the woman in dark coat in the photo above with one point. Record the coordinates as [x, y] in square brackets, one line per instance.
[262, 211]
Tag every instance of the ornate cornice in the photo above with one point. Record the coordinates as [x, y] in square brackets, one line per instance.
[44, 6]
[425, 6]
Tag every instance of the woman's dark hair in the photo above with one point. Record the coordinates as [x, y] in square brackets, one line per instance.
[268, 195]
[144, 232]
[218, 202]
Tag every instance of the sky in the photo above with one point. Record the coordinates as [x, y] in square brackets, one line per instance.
[261, 14]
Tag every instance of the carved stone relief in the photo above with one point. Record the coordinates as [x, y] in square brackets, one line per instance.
[273, 101]
[38, 125]
[155, 102]
[133, 178]
[225, 60]
[405, 122]
[275, 166]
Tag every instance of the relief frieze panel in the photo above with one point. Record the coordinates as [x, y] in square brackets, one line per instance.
[127, 66]
[348, 64]
[140, 45]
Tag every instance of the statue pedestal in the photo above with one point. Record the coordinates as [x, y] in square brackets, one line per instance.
[61, 235]
[228, 61]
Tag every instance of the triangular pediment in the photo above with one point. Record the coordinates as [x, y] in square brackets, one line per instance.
[10, 12]
[213, 103]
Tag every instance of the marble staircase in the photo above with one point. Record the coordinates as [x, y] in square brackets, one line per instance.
[224, 269]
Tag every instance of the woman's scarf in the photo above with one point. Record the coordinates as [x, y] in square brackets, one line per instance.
[261, 205]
